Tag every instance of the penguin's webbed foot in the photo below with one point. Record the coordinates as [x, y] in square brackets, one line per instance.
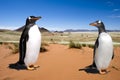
[31, 67]
[103, 71]
[36, 66]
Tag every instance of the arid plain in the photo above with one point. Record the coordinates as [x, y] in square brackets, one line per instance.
[59, 62]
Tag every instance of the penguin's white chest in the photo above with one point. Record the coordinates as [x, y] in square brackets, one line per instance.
[33, 45]
[104, 52]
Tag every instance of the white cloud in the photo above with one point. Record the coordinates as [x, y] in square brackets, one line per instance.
[110, 3]
[118, 16]
[115, 10]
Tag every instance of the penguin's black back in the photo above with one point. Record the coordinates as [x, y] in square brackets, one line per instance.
[95, 47]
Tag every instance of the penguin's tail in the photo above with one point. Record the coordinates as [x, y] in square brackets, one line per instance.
[17, 66]
[87, 67]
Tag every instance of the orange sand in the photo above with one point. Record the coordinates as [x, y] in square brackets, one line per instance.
[59, 63]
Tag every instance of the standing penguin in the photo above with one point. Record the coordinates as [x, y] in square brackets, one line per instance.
[30, 43]
[103, 49]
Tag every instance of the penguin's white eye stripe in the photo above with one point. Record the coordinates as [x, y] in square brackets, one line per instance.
[29, 18]
[99, 21]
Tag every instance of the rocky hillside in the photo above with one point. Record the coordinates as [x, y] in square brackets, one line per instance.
[42, 29]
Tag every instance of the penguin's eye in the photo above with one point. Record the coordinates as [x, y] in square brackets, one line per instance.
[29, 18]
[99, 21]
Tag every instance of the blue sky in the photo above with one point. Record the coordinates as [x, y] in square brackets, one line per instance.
[60, 14]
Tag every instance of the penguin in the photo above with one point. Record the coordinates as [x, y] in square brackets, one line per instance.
[103, 48]
[30, 43]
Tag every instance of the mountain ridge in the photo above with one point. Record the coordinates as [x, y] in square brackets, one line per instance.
[42, 29]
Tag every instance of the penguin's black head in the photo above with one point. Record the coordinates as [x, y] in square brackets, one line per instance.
[99, 24]
[32, 19]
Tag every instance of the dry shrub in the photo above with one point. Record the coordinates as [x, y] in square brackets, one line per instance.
[16, 48]
[1, 43]
[84, 45]
[91, 46]
[42, 48]
[74, 45]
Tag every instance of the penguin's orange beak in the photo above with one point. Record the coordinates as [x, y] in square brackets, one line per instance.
[93, 24]
[36, 18]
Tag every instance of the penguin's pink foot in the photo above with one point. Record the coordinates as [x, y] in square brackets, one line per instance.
[103, 71]
[36, 66]
[31, 67]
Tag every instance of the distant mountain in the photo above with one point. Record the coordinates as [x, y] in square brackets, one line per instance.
[41, 29]
[78, 30]
[86, 30]
[113, 30]
[3, 30]
[20, 29]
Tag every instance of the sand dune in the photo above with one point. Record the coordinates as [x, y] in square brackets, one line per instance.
[58, 63]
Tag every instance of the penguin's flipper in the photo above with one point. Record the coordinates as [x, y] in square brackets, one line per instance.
[96, 46]
[93, 65]
[22, 45]
[113, 55]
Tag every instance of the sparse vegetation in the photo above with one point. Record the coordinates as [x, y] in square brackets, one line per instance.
[71, 44]
[9, 36]
[44, 44]
[43, 49]
[1, 43]
[79, 46]
[91, 46]
[116, 45]
[62, 38]
[10, 47]
[74, 45]
[84, 45]
[16, 48]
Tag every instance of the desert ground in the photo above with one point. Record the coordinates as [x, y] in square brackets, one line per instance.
[58, 63]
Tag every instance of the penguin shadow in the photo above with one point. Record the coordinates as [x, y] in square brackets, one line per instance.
[17, 66]
[89, 70]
